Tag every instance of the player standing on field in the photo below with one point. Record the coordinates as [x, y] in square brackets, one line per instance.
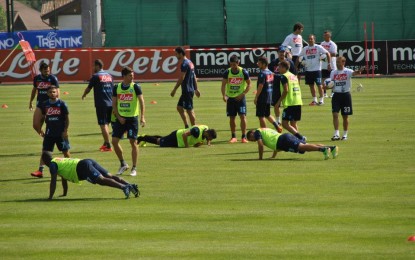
[263, 96]
[331, 47]
[187, 80]
[311, 55]
[55, 114]
[102, 83]
[295, 41]
[235, 85]
[276, 92]
[41, 83]
[342, 99]
[127, 105]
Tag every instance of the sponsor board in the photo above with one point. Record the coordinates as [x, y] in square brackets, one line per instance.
[76, 65]
[401, 56]
[44, 39]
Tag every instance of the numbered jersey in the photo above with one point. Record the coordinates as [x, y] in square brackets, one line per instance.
[342, 80]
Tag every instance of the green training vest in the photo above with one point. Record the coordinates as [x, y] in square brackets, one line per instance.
[67, 168]
[127, 103]
[269, 137]
[191, 140]
[293, 97]
[236, 83]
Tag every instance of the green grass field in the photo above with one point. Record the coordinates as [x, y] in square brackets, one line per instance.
[218, 202]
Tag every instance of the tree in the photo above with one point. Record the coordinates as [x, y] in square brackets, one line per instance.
[3, 20]
[35, 4]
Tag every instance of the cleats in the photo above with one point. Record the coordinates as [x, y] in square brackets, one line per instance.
[133, 172]
[321, 103]
[233, 140]
[326, 153]
[313, 103]
[105, 149]
[134, 190]
[335, 138]
[244, 140]
[126, 190]
[344, 138]
[334, 152]
[37, 174]
[140, 142]
[304, 139]
[122, 169]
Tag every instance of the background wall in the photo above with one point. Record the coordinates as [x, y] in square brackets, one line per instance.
[193, 22]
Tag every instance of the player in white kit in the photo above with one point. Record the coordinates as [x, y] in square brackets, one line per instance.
[331, 47]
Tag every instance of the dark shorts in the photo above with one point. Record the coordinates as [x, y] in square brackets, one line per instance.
[50, 141]
[263, 110]
[186, 101]
[103, 115]
[234, 107]
[90, 170]
[169, 140]
[292, 113]
[312, 77]
[130, 126]
[288, 143]
[325, 74]
[276, 91]
[342, 102]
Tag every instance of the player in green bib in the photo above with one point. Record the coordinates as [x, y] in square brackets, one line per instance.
[290, 99]
[182, 138]
[286, 142]
[76, 170]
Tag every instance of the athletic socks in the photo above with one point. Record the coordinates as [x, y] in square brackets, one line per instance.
[41, 168]
[233, 135]
[336, 133]
[152, 139]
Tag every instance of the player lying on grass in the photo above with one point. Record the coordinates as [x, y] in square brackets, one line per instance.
[286, 142]
[193, 136]
[75, 170]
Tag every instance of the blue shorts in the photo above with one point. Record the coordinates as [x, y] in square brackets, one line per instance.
[169, 140]
[288, 143]
[186, 101]
[50, 141]
[325, 74]
[103, 115]
[342, 102]
[276, 90]
[291, 113]
[130, 126]
[234, 107]
[90, 170]
[313, 76]
[263, 110]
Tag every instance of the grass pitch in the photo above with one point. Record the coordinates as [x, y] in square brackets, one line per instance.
[218, 202]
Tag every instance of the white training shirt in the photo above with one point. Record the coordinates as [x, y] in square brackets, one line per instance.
[342, 80]
[295, 42]
[331, 47]
[311, 55]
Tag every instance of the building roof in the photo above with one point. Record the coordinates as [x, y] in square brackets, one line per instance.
[59, 6]
[25, 17]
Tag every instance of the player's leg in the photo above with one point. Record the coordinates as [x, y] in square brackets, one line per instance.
[132, 128]
[192, 116]
[117, 132]
[182, 114]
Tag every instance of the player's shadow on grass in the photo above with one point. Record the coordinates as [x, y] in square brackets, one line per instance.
[19, 154]
[62, 200]
[90, 134]
[266, 159]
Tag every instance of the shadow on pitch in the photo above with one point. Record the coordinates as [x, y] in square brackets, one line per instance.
[55, 200]
[266, 159]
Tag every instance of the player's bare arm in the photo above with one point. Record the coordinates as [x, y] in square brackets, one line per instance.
[260, 149]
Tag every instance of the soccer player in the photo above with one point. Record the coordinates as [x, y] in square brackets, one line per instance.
[290, 99]
[76, 170]
[127, 105]
[41, 83]
[295, 42]
[182, 138]
[54, 112]
[102, 84]
[187, 80]
[287, 143]
[235, 85]
[276, 92]
[311, 55]
[342, 99]
[263, 96]
[331, 47]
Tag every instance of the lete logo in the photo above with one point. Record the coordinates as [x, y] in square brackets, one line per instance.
[125, 97]
[235, 81]
[53, 111]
